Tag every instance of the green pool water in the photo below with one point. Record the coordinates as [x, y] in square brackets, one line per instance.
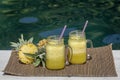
[41, 18]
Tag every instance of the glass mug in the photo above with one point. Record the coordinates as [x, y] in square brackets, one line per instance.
[77, 41]
[56, 56]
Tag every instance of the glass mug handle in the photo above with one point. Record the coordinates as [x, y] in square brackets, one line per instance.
[91, 46]
[68, 54]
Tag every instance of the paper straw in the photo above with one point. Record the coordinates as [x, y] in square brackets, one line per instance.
[84, 26]
[61, 35]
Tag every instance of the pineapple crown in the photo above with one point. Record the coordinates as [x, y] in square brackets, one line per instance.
[21, 42]
[39, 57]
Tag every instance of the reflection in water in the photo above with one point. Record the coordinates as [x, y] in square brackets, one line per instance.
[114, 38]
[28, 20]
[103, 16]
[56, 32]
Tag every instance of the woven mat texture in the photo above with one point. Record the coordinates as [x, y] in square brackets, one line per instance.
[101, 65]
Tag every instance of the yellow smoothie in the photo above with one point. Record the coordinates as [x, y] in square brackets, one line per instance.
[55, 55]
[78, 45]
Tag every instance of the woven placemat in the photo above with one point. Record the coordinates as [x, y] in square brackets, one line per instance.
[101, 65]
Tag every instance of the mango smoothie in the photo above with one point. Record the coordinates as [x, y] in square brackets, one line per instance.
[78, 45]
[55, 54]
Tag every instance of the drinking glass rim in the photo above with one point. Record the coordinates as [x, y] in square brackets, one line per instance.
[55, 38]
[76, 32]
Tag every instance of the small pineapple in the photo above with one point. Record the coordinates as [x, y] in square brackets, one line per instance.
[27, 48]
[42, 43]
[24, 59]
[24, 46]
[29, 53]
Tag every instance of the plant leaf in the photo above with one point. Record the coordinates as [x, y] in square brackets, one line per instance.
[43, 64]
[37, 62]
[25, 41]
[21, 41]
[30, 55]
[30, 40]
[22, 37]
[13, 44]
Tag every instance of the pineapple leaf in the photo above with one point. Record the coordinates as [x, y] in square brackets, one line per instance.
[30, 55]
[21, 41]
[43, 64]
[37, 62]
[42, 50]
[30, 40]
[22, 38]
[13, 44]
[25, 41]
